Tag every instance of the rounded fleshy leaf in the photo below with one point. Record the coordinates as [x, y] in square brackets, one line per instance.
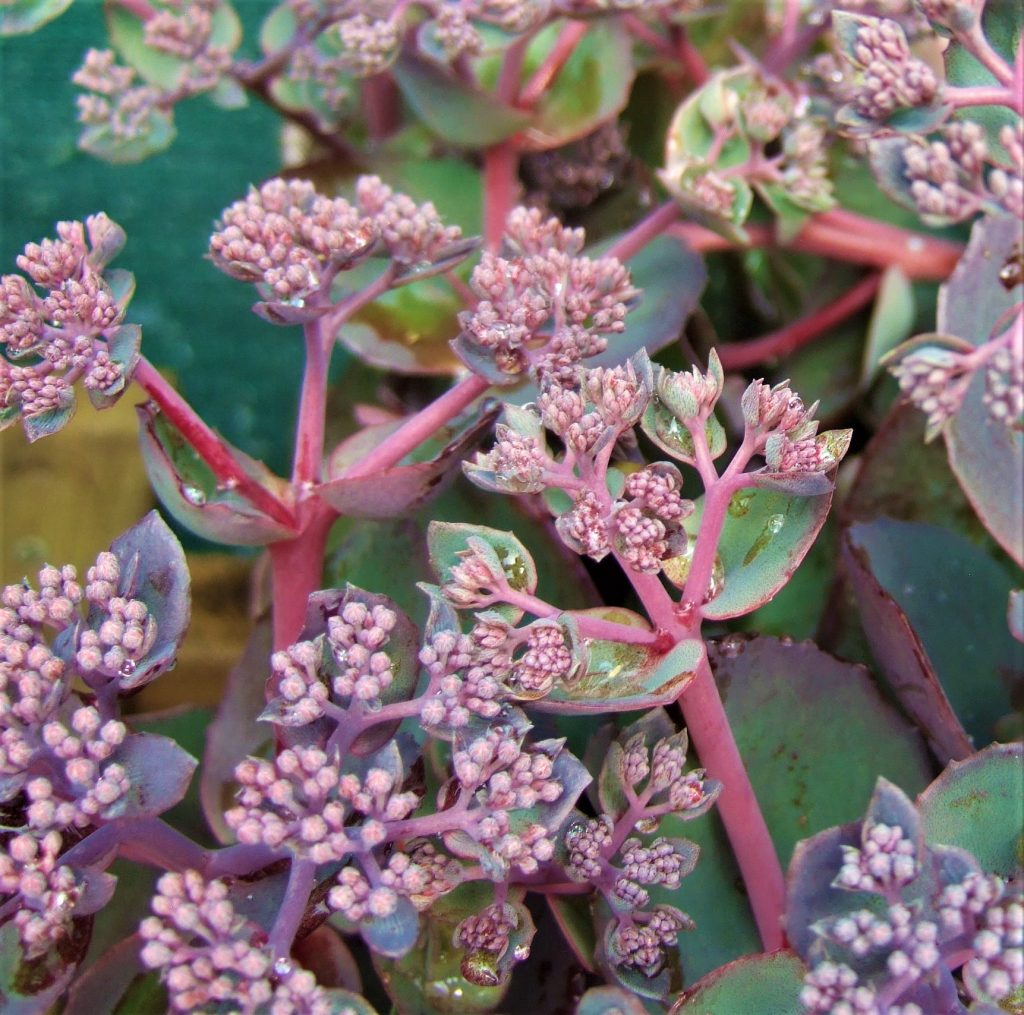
[456, 111]
[609, 1001]
[152, 136]
[766, 535]
[123, 345]
[755, 983]
[190, 491]
[666, 431]
[159, 772]
[107, 980]
[904, 573]
[591, 87]
[23, 16]
[978, 805]
[395, 934]
[623, 677]
[987, 457]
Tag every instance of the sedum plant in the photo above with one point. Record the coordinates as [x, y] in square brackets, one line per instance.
[533, 755]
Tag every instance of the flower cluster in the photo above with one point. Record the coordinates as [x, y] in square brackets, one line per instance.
[642, 940]
[957, 175]
[209, 956]
[73, 333]
[577, 174]
[184, 29]
[542, 306]
[114, 102]
[879, 73]
[937, 911]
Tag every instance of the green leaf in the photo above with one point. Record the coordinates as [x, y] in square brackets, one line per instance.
[918, 571]
[152, 136]
[624, 677]
[815, 734]
[609, 1001]
[446, 540]
[766, 535]
[666, 431]
[456, 111]
[591, 88]
[978, 805]
[44, 424]
[190, 491]
[891, 321]
[756, 983]
[123, 345]
[988, 458]
[24, 16]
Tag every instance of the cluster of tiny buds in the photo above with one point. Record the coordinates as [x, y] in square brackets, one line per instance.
[544, 279]
[302, 801]
[834, 988]
[1004, 381]
[469, 671]
[478, 579]
[890, 77]
[487, 931]
[998, 963]
[113, 100]
[209, 957]
[775, 409]
[587, 843]
[547, 658]
[885, 861]
[296, 677]
[576, 175]
[691, 396]
[656, 864]
[643, 945]
[648, 525]
[356, 899]
[356, 638]
[184, 29]
[54, 604]
[935, 379]
[47, 890]
[81, 749]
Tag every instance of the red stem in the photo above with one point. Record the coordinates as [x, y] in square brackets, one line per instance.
[307, 461]
[631, 243]
[566, 43]
[981, 95]
[776, 344]
[379, 95]
[208, 445]
[142, 9]
[501, 186]
[417, 428]
[689, 56]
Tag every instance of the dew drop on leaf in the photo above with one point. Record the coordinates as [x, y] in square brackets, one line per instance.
[193, 495]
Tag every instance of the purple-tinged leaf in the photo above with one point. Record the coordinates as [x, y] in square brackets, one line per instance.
[123, 345]
[234, 732]
[672, 437]
[402, 648]
[978, 805]
[153, 569]
[32, 987]
[661, 985]
[755, 983]
[23, 16]
[99, 990]
[921, 571]
[43, 424]
[575, 920]
[159, 772]
[623, 676]
[765, 537]
[891, 806]
[456, 111]
[811, 895]
[987, 457]
[654, 726]
[97, 890]
[190, 491]
[155, 134]
[403, 487]
[326, 955]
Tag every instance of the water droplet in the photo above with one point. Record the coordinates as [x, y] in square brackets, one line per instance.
[774, 524]
[521, 952]
[732, 645]
[127, 668]
[62, 901]
[282, 966]
[193, 495]
[739, 504]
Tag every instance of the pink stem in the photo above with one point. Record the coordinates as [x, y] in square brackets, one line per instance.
[417, 428]
[647, 229]
[296, 566]
[142, 9]
[566, 43]
[983, 96]
[379, 95]
[501, 187]
[976, 43]
[208, 445]
[776, 344]
[689, 56]
[308, 459]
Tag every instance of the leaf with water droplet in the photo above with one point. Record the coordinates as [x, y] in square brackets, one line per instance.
[766, 535]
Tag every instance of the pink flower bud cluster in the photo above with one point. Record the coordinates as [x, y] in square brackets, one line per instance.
[356, 899]
[412, 234]
[998, 964]
[835, 987]
[356, 639]
[544, 306]
[935, 379]
[488, 931]
[655, 864]
[127, 633]
[455, 33]
[643, 945]
[886, 860]
[296, 674]
[443, 873]
[303, 803]
[647, 526]
[588, 843]
[65, 331]
[184, 29]
[92, 785]
[1004, 381]
[47, 890]
[55, 604]
[113, 100]
[369, 44]
[548, 658]
[888, 77]
[947, 180]
[209, 957]
[289, 238]
[470, 671]
[478, 579]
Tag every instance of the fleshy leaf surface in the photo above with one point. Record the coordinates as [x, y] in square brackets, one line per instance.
[766, 983]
